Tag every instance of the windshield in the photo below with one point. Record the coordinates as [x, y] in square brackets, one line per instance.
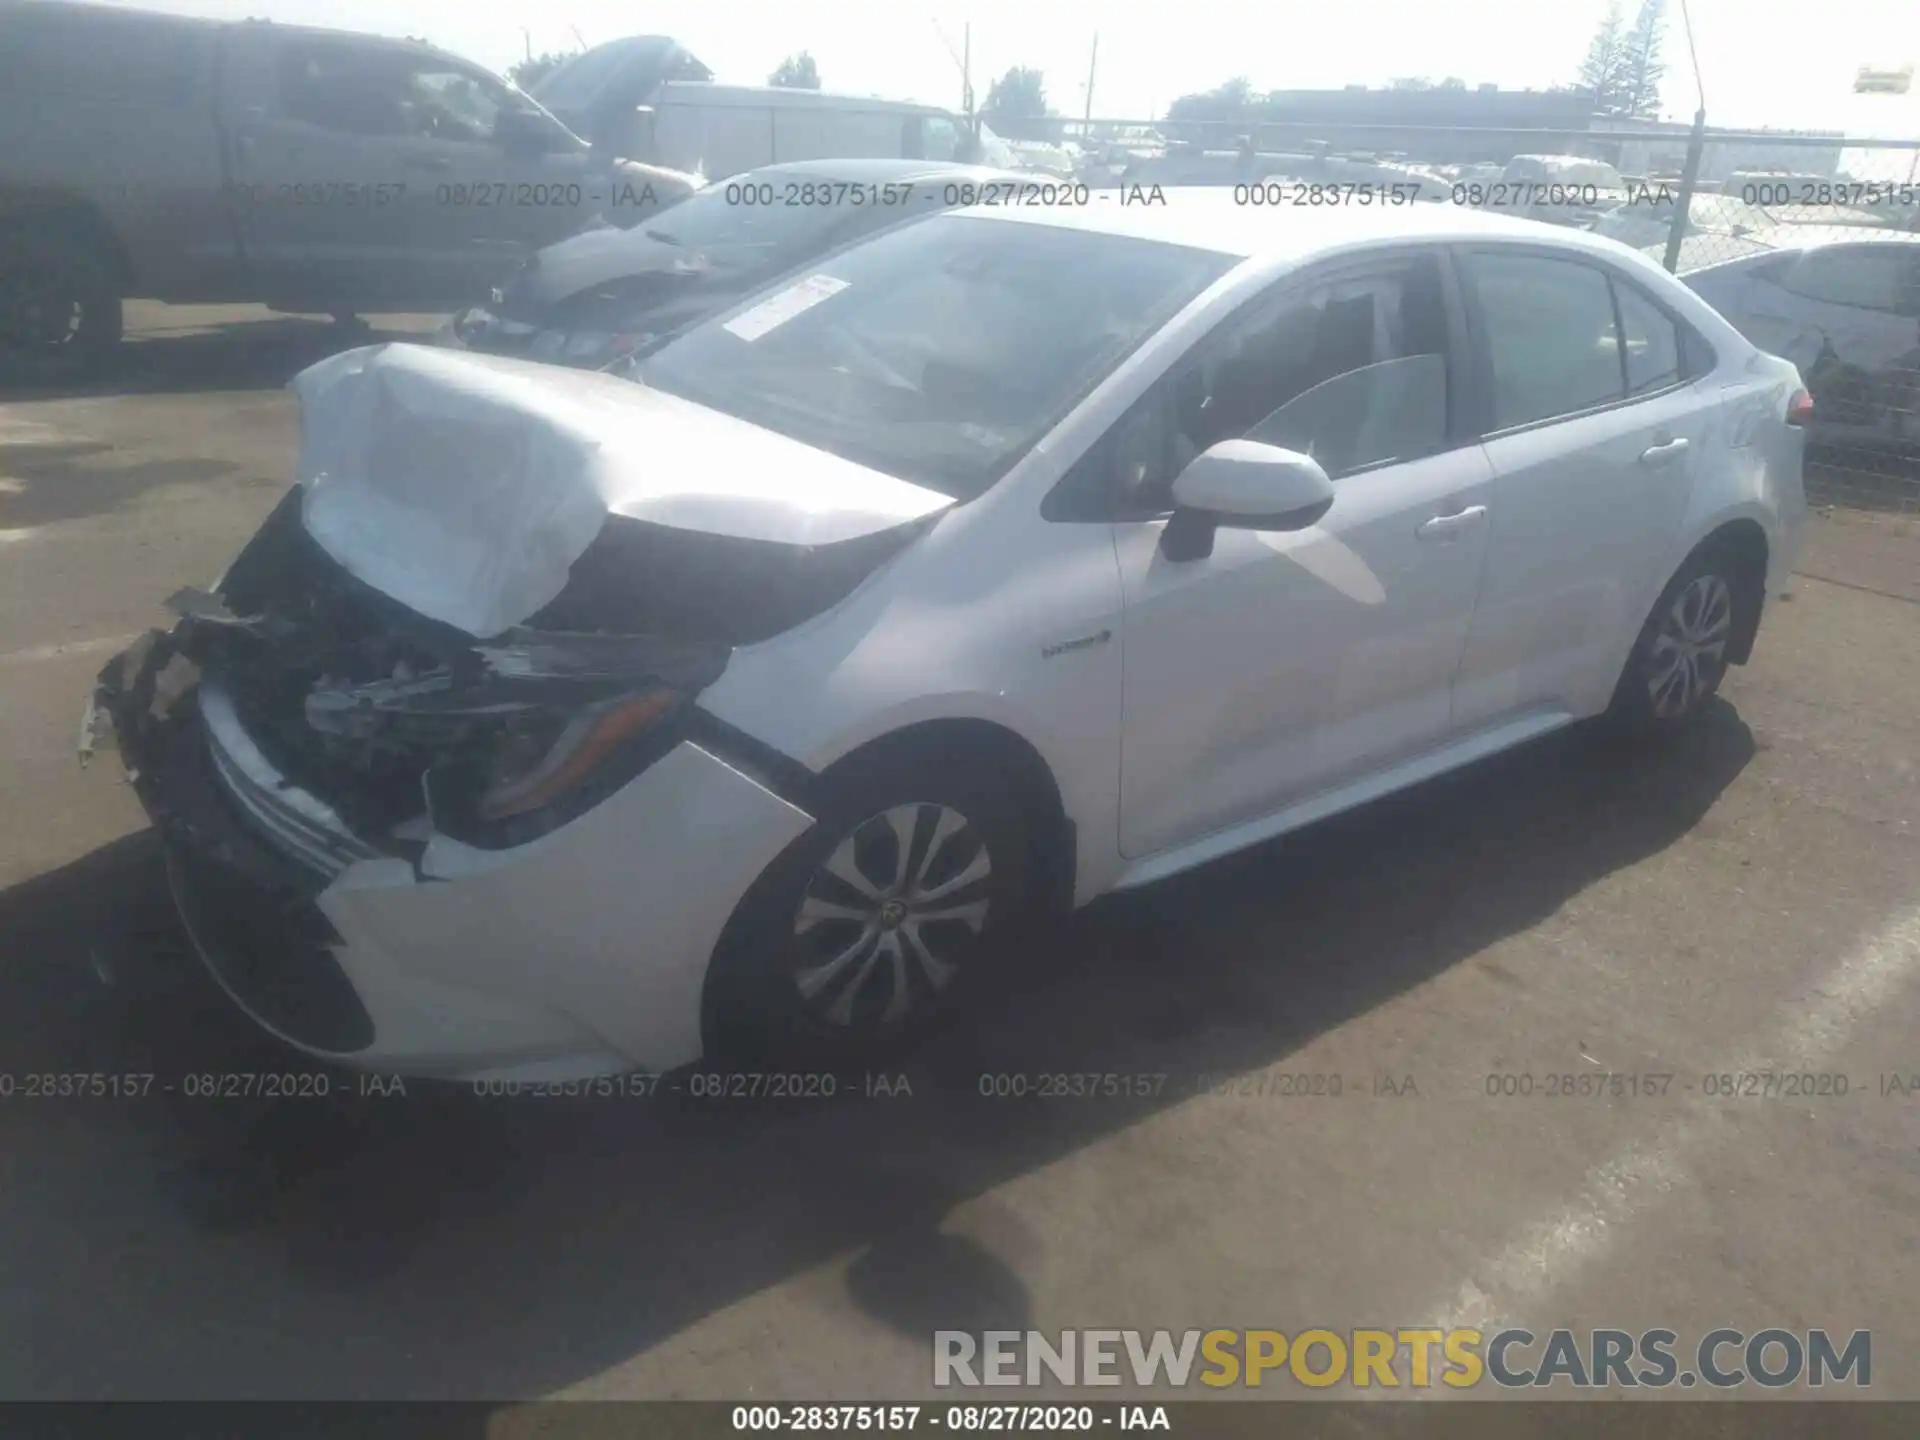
[723, 219]
[940, 352]
[1705, 212]
[1724, 212]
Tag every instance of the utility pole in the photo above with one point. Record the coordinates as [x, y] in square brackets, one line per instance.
[1086, 123]
[966, 71]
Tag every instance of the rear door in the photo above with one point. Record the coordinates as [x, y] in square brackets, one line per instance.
[1596, 415]
[327, 198]
[369, 176]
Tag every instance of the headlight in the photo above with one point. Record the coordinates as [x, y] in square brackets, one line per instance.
[527, 773]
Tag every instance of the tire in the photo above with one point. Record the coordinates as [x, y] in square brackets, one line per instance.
[60, 316]
[809, 968]
[1679, 658]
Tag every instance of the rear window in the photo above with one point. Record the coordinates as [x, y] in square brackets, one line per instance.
[123, 57]
[939, 352]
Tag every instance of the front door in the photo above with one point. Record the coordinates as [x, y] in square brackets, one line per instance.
[1288, 662]
[367, 175]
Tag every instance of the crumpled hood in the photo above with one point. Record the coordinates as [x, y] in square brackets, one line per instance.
[465, 486]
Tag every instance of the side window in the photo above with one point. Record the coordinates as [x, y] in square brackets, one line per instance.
[446, 104]
[342, 88]
[1868, 278]
[1352, 371]
[364, 91]
[1550, 335]
[1652, 342]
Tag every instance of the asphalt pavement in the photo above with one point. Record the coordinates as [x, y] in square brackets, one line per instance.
[1742, 901]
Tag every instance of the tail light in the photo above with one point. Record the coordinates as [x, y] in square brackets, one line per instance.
[1799, 408]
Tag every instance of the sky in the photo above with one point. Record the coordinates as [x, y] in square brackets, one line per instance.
[1762, 62]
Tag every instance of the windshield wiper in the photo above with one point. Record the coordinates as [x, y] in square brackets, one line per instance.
[661, 236]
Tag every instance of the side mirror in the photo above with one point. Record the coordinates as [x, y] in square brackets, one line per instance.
[1244, 485]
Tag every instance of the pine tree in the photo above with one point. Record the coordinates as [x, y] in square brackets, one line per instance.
[1603, 72]
[1640, 85]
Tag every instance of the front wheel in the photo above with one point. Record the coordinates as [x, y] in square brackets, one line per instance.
[60, 315]
[1680, 657]
[870, 925]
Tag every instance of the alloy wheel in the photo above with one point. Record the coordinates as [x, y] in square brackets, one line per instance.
[886, 919]
[39, 311]
[1689, 650]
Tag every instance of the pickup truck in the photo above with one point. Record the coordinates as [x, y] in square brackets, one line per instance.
[313, 171]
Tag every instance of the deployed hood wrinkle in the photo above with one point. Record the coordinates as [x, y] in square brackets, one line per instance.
[466, 486]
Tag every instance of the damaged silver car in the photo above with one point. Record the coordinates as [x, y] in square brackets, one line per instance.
[384, 805]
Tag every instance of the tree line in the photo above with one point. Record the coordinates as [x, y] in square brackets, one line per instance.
[1622, 70]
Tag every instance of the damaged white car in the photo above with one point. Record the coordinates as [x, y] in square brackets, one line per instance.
[560, 724]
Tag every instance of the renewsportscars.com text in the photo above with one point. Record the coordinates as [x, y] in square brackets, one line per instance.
[1415, 1358]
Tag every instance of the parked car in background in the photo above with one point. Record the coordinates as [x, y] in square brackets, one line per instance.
[1187, 165]
[193, 161]
[1472, 174]
[1647, 220]
[647, 96]
[606, 293]
[1844, 306]
[1105, 164]
[1567, 190]
[1045, 159]
[559, 724]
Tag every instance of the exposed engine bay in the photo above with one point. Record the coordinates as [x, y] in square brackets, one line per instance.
[405, 726]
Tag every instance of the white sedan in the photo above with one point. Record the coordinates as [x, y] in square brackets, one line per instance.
[562, 724]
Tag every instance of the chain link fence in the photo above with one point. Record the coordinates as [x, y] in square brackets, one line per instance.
[1808, 243]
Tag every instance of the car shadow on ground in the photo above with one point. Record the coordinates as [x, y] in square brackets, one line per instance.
[249, 354]
[67, 480]
[448, 1245]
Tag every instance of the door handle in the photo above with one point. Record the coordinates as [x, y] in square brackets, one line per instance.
[1665, 450]
[426, 162]
[1449, 527]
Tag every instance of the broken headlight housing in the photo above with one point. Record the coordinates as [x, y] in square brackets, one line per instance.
[529, 772]
[540, 768]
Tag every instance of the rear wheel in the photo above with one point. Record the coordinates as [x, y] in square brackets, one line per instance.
[872, 924]
[60, 312]
[1680, 657]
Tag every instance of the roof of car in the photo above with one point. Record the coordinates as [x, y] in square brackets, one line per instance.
[1816, 237]
[1702, 253]
[884, 170]
[1209, 219]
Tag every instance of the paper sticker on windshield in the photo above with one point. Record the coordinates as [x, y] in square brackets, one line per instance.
[770, 314]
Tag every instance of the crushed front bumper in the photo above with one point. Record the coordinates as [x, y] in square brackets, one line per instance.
[583, 952]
